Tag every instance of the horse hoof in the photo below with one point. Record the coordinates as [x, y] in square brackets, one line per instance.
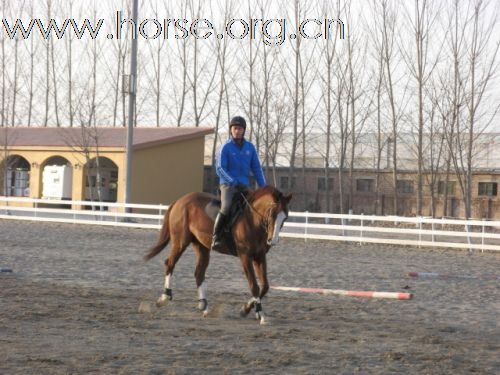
[264, 321]
[162, 301]
[202, 305]
[205, 313]
[244, 311]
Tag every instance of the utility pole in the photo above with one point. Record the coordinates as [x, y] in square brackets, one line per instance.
[131, 106]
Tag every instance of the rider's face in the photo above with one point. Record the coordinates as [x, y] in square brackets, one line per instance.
[237, 131]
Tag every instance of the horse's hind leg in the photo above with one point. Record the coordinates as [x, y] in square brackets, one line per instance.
[175, 253]
[260, 266]
[202, 260]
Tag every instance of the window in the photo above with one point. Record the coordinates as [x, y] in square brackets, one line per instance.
[365, 185]
[405, 186]
[487, 189]
[284, 183]
[322, 185]
[18, 182]
[91, 181]
[450, 190]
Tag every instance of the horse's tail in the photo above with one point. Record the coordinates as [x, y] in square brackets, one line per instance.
[164, 237]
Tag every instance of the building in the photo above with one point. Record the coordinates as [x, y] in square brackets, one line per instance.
[311, 191]
[90, 163]
[370, 192]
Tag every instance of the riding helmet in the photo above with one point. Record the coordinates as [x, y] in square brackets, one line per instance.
[239, 121]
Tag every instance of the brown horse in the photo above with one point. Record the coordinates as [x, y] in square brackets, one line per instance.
[253, 233]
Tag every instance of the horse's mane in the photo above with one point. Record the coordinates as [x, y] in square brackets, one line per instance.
[265, 190]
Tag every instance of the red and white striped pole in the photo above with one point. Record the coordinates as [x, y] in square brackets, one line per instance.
[350, 293]
[436, 275]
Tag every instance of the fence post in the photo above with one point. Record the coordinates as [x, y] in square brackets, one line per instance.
[160, 209]
[305, 228]
[419, 231]
[432, 228]
[361, 231]
[468, 236]
[482, 239]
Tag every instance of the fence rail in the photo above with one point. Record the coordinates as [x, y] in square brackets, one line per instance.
[412, 231]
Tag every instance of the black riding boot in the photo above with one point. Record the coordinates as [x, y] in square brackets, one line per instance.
[220, 221]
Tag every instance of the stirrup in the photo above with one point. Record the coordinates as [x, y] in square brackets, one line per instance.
[216, 244]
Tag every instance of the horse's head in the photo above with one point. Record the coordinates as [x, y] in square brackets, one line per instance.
[271, 208]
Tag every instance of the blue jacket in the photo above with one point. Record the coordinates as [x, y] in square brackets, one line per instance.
[235, 162]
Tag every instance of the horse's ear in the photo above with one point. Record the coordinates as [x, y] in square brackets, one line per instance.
[287, 198]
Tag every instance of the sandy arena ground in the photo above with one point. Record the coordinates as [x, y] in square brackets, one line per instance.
[71, 306]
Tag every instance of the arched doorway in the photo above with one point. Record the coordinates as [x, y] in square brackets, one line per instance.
[15, 176]
[57, 178]
[101, 180]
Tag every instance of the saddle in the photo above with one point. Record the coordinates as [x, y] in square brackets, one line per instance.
[237, 206]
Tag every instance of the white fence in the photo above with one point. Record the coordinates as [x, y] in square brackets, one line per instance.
[412, 231]
[100, 213]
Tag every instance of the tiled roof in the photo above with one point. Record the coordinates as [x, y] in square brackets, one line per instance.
[106, 137]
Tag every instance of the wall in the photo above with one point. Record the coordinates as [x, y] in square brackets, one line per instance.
[164, 173]
[38, 157]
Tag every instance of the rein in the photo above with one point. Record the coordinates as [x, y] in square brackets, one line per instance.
[266, 219]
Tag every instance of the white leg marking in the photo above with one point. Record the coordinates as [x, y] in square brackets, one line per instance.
[259, 314]
[168, 281]
[253, 300]
[277, 226]
[163, 298]
[202, 291]
[202, 297]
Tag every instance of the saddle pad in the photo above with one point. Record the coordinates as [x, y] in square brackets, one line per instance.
[212, 208]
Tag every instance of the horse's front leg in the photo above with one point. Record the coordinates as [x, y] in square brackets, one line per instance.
[246, 262]
[260, 266]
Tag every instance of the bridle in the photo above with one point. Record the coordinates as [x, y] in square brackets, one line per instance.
[266, 218]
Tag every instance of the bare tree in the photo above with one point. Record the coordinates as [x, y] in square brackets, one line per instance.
[69, 64]
[15, 79]
[156, 49]
[7, 161]
[223, 56]
[180, 71]
[470, 37]
[435, 147]
[295, 92]
[327, 88]
[55, 79]
[381, 137]
[301, 73]
[421, 65]
[282, 113]
[47, 67]
[202, 78]
[84, 141]
[32, 52]
[3, 110]
[387, 31]
[359, 99]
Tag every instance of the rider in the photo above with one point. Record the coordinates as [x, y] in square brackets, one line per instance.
[234, 161]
